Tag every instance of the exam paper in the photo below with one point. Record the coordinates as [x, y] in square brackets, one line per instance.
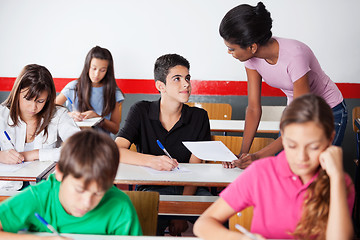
[210, 151]
[12, 167]
[88, 122]
[175, 170]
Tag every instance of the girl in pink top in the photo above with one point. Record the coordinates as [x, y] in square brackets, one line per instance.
[286, 64]
[301, 193]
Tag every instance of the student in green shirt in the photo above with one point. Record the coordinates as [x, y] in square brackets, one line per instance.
[78, 198]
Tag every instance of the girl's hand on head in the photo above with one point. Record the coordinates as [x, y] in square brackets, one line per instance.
[11, 157]
[89, 114]
[77, 116]
[331, 160]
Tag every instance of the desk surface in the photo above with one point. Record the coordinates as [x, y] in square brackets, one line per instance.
[110, 237]
[210, 175]
[33, 172]
[238, 126]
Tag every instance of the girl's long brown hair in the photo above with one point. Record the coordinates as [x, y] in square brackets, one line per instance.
[35, 79]
[313, 222]
[83, 87]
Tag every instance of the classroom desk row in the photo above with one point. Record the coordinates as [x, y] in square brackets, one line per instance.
[210, 175]
[215, 125]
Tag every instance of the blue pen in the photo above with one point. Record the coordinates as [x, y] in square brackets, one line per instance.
[72, 104]
[51, 228]
[162, 148]
[8, 137]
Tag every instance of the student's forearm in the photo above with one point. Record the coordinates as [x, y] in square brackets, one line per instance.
[270, 149]
[210, 229]
[110, 126]
[134, 158]
[31, 155]
[339, 222]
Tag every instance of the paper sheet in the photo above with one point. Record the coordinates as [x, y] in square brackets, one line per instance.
[88, 122]
[181, 169]
[210, 151]
[12, 167]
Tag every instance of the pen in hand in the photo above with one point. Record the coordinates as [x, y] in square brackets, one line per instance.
[245, 232]
[72, 104]
[163, 148]
[51, 228]
[8, 138]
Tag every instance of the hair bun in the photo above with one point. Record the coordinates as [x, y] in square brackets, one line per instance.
[260, 8]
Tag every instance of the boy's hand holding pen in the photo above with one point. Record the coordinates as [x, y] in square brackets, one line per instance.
[167, 153]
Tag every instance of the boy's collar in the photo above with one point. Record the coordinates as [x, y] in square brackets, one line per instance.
[155, 112]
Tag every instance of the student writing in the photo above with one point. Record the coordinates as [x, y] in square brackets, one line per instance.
[32, 121]
[95, 92]
[79, 198]
[282, 63]
[301, 193]
[170, 121]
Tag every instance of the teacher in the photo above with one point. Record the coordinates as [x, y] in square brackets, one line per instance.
[282, 63]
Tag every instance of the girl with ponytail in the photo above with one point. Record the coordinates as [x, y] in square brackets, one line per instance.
[282, 63]
[301, 193]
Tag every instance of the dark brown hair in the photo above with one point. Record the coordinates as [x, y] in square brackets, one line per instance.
[244, 25]
[35, 79]
[315, 213]
[83, 87]
[90, 155]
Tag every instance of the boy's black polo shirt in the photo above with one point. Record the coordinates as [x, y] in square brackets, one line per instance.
[143, 128]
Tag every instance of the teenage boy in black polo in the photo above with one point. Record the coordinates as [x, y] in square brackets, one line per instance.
[170, 121]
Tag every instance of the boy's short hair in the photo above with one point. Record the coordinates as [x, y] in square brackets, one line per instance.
[165, 62]
[92, 156]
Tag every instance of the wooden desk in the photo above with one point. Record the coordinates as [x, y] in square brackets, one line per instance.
[209, 175]
[34, 172]
[238, 126]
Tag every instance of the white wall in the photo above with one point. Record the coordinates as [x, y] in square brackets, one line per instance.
[58, 34]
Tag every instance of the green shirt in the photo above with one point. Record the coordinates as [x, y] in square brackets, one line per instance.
[114, 215]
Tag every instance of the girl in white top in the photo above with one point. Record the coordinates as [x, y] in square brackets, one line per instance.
[95, 93]
[30, 118]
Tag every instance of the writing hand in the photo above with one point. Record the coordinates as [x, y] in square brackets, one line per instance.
[11, 156]
[163, 163]
[77, 116]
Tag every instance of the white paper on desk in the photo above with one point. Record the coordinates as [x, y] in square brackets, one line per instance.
[174, 171]
[89, 122]
[12, 167]
[210, 151]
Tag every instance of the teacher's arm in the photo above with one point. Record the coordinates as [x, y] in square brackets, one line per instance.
[253, 112]
[301, 86]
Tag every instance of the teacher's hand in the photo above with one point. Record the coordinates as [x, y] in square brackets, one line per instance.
[244, 160]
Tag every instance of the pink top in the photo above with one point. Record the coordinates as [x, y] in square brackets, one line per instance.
[294, 61]
[275, 192]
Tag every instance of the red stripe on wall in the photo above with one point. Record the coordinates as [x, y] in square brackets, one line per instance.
[199, 87]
